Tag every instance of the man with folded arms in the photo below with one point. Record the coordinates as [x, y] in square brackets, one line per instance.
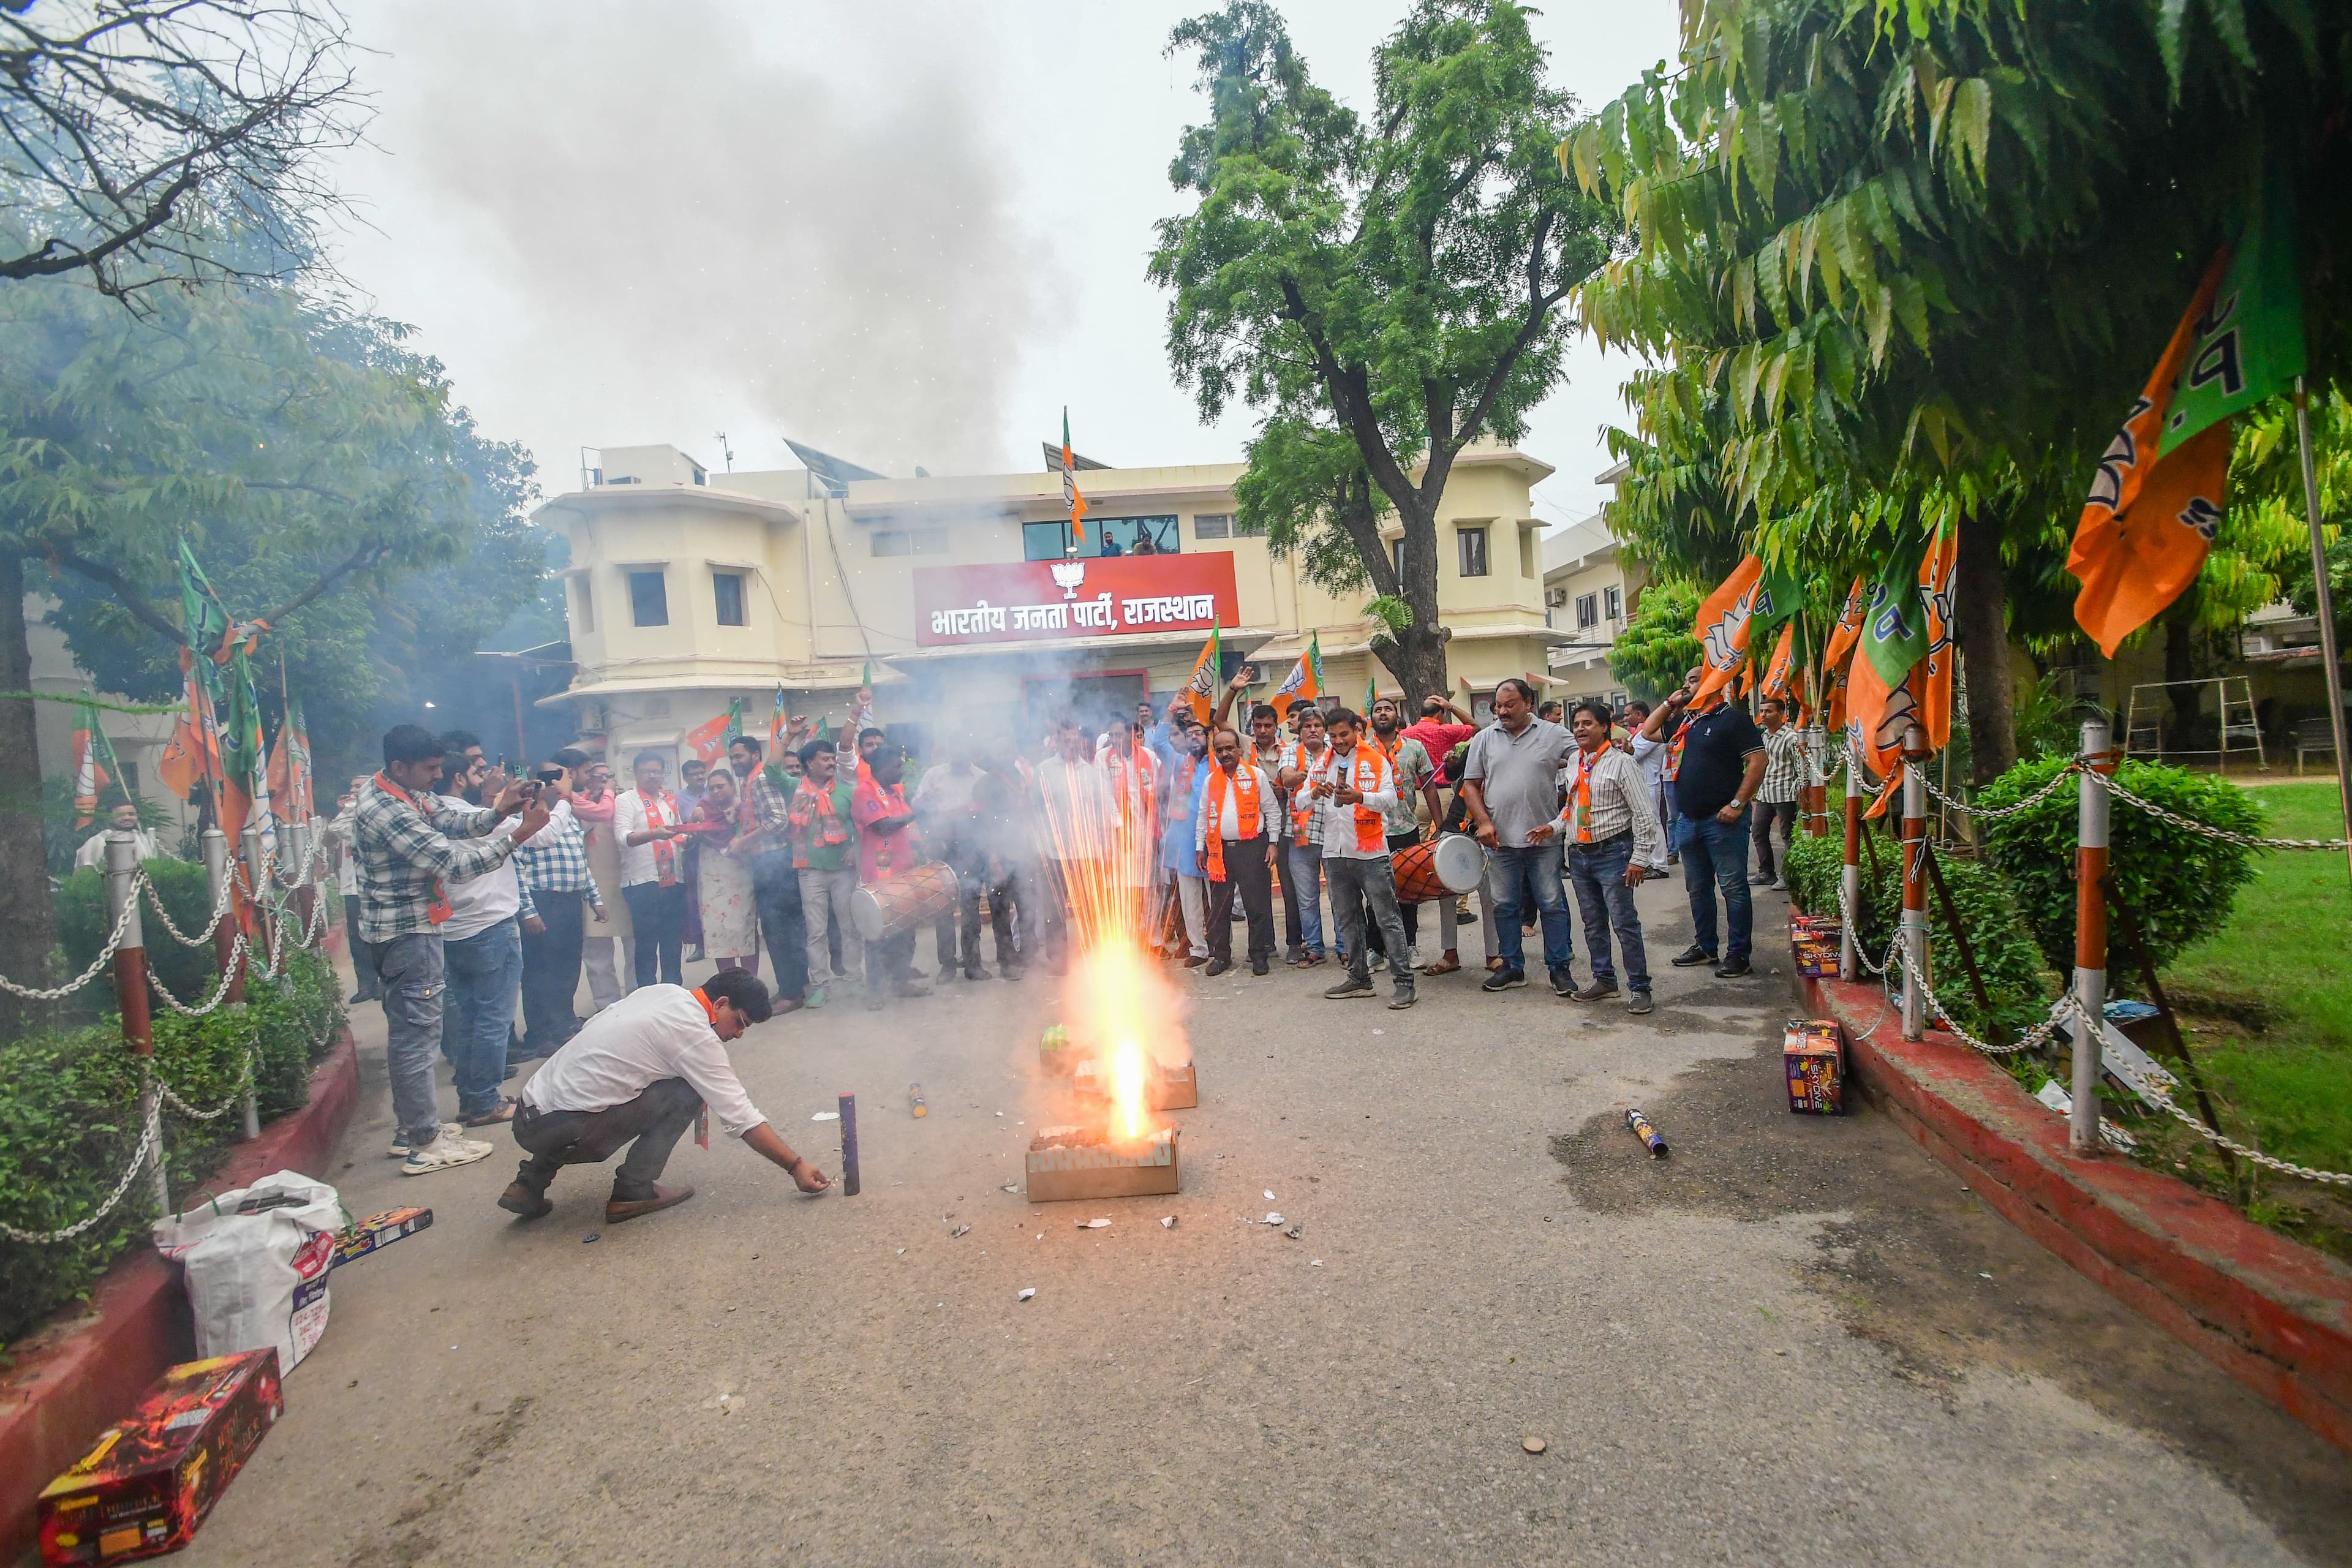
[640, 1073]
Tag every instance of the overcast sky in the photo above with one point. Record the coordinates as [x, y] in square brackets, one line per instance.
[903, 232]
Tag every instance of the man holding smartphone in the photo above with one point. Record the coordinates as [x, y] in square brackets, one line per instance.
[1721, 757]
[554, 868]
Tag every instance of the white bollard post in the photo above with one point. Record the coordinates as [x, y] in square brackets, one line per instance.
[2090, 935]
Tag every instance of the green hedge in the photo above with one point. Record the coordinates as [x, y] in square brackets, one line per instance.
[2018, 985]
[83, 926]
[2179, 883]
[70, 1118]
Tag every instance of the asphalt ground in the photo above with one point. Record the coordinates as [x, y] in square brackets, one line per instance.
[1796, 1340]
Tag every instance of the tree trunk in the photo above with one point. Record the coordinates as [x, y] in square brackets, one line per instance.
[2181, 667]
[25, 933]
[1417, 658]
[1982, 614]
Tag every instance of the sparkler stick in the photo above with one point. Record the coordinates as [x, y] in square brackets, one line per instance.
[848, 1145]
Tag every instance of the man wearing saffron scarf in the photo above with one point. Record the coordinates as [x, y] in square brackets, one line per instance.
[640, 1073]
[648, 823]
[1236, 837]
[1181, 786]
[825, 859]
[1720, 754]
[1353, 788]
[1611, 835]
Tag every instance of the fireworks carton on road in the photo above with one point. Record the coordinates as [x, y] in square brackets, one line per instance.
[1813, 1052]
[151, 1478]
[1088, 1162]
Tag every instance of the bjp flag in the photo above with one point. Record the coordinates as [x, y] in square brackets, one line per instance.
[710, 738]
[1722, 630]
[1847, 633]
[2156, 501]
[89, 773]
[1070, 496]
[1200, 691]
[1781, 671]
[1303, 684]
[1935, 669]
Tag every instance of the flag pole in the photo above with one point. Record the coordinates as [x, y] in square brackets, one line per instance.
[2327, 650]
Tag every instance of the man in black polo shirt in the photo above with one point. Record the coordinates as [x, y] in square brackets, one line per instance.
[1722, 767]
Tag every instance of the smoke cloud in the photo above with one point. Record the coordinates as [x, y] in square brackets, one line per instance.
[667, 214]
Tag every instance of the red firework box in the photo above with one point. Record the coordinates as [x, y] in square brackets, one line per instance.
[1814, 941]
[147, 1484]
[1814, 1053]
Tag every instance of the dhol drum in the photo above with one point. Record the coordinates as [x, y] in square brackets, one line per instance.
[1450, 863]
[906, 901]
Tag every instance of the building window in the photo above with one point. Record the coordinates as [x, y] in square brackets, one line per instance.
[583, 605]
[648, 599]
[1106, 536]
[1472, 543]
[1527, 567]
[727, 588]
[1213, 525]
[1588, 611]
[1042, 541]
[1612, 603]
[910, 542]
[1244, 529]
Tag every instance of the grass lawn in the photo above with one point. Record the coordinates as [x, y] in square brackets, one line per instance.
[2271, 997]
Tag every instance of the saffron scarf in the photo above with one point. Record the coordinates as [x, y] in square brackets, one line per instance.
[1249, 810]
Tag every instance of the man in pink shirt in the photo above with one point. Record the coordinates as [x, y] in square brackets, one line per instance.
[888, 844]
[1438, 737]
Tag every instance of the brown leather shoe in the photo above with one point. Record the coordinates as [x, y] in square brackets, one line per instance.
[618, 1209]
[518, 1199]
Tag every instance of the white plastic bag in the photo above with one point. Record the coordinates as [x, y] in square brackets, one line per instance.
[257, 1262]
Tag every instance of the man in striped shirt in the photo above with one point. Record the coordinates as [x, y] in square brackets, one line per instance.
[1776, 797]
[554, 868]
[1614, 841]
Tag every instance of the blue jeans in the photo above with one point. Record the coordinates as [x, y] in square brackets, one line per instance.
[1597, 873]
[411, 974]
[1306, 881]
[1715, 857]
[1516, 878]
[485, 976]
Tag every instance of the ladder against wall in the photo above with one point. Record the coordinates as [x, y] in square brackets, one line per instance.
[2149, 716]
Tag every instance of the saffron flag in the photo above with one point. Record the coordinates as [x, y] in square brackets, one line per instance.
[290, 767]
[1881, 700]
[710, 738]
[1936, 569]
[777, 719]
[1303, 684]
[1200, 691]
[193, 753]
[1848, 630]
[89, 773]
[1070, 496]
[2156, 501]
[1722, 628]
[244, 760]
[1780, 675]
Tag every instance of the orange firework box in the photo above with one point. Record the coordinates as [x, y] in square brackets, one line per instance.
[1813, 1052]
[1088, 1162]
[152, 1477]
[1165, 1088]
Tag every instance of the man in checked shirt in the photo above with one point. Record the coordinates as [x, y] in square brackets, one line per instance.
[1614, 841]
[411, 843]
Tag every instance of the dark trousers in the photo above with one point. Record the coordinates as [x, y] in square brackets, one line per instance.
[365, 987]
[658, 915]
[655, 1119]
[888, 964]
[1597, 872]
[1294, 935]
[1247, 873]
[1409, 915]
[550, 970]
[776, 889]
[1766, 813]
[1004, 894]
[1364, 892]
[1715, 861]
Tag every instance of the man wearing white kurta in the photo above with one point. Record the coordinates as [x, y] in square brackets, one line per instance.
[1354, 788]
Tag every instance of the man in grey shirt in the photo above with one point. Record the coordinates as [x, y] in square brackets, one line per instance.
[1511, 781]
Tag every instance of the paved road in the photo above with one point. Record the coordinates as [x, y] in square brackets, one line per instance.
[1796, 1341]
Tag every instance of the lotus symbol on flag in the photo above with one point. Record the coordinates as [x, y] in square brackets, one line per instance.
[1068, 574]
[1722, 653]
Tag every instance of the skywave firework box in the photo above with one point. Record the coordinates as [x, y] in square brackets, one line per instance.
[1814, 942]
[148, 1483]
[1088, 1163]
[1813, 1052]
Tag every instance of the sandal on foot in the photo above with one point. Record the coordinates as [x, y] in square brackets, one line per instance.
[504, 1111]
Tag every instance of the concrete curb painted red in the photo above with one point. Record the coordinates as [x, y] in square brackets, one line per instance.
[2272, 1313]
[68, 1384]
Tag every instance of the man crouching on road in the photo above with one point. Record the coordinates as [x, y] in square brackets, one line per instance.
[642, 1068]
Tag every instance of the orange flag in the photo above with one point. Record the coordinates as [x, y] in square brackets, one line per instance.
[192, 754]
[1875, 719]
[1847, 633]
[1722, 630]
[1933, 674]
[1200, 691]
[1779, 673]
[2146, 530]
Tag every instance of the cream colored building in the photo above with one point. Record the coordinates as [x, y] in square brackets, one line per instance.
[689, 588]
[1590, 586]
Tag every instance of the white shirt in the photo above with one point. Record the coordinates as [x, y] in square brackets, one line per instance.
[1229, 813]
[93, 849]
[343, 830]
[1079, 809]
[638, 863]
[1652, 757]
[1621, 802]
[480, 903]
[1339, 821]
[656, 1031]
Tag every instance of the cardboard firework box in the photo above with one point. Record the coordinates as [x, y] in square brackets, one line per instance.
[355, 1241]
[1165, 1088]
[1814, 941]
[1814, 1053]
[1088, 1162]
[150, 1478]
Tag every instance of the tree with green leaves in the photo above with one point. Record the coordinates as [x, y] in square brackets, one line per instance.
[1387, 290]
[300, 449]
[1922, 254]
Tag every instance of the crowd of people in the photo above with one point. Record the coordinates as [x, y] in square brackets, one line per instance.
[476, 901]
